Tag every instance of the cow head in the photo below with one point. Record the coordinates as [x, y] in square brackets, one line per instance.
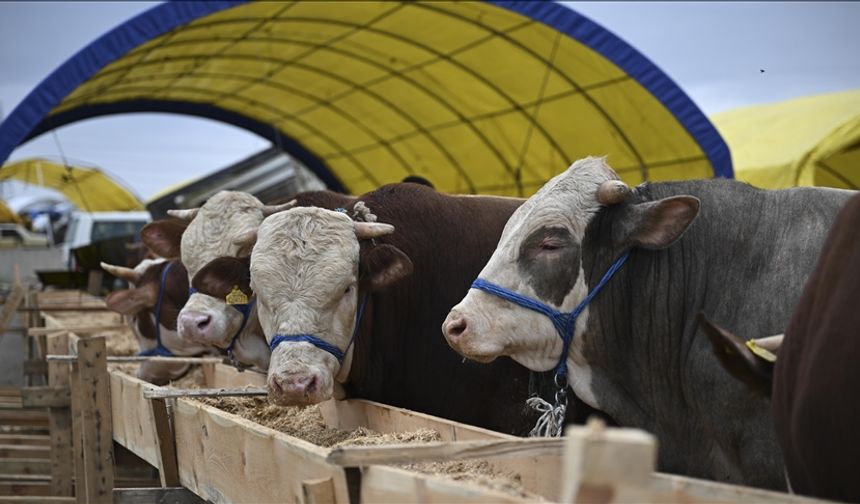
[220, 228]
[539, 255]
[208, 317]
[310, 273]
[139, 302]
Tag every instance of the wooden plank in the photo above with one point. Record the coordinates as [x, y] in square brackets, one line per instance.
[60, 423]
[25, 439]
[381, 484]
[353, 413]
[25, 451]
[41, 499]
[66, 308]
[225, 458]
[32, 418]
[36, 397]
[12, 303]
[42, 331]
[357, 456]
[94, 282]
[690, 489]
[225, 376]
[133, 420]
[28, 488]
[77, 434]
[167, 468]
[96, 420]
[137, 358]
[606, 465]
[318, 491]
[164, 393]
[24, 466]
[177, 495]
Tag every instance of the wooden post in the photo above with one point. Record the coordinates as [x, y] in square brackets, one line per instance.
[94, 282]
[95, 421]
[60, 422]
[168, 469]
[607, 465]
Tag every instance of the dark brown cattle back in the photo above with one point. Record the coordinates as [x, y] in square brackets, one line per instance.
[817, 375]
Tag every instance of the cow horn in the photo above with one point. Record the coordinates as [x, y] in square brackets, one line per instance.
[187, 214]
[367, 230]
[126, 274]
[612, 192]
[273, 209]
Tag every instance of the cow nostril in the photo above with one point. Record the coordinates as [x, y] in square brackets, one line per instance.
[311, 384]
[276, 387]
[203, 321]
[456, 328]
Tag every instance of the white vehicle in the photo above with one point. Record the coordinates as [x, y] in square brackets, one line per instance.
[88, 227]
[16, 235]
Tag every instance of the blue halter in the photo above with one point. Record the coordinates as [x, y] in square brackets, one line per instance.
[159, 350]
[565, 323]
[244, 309]
[319, 343]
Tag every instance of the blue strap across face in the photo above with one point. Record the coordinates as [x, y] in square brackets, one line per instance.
[159, 349]
[244, 309]
[565, 323]
[320, 343]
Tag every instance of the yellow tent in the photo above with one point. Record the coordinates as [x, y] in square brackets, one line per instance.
[89, 189]
[809, 141]
[478, 97]
[7, 215]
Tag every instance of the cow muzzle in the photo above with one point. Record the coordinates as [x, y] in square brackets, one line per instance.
[458, 331]
[195, 326]
[297, 389]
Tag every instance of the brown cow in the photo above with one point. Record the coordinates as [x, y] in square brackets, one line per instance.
[154, 325]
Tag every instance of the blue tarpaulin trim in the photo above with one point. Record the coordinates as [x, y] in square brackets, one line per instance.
[638, 67]
[29, 117]
[89, 60]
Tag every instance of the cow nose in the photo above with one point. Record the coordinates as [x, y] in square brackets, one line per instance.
[195, 322]
[454, 327]
[295, 385]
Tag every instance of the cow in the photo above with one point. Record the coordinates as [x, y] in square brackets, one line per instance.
[226, 314]
[158, 291]
[676, 249]
[815, 372]
[351, 307]
[208, 233]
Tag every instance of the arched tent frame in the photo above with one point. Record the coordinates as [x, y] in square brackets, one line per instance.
[45, 107]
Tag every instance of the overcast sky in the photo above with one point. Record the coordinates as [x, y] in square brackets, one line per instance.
[715, 51]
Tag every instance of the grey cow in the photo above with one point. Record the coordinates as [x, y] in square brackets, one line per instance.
[721, 247]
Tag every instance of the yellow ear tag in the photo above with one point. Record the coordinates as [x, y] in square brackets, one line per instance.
[761, 353]
[236, 296]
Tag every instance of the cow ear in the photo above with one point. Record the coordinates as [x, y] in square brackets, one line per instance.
[245, 242]
[131, 301]
[658, 224]
[164, 237]
[383, 265]
[737, 358]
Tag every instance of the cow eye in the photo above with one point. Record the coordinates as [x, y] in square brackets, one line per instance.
[550, 245]
[347, 290]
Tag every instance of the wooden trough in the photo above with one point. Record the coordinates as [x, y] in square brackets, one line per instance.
[222, 457]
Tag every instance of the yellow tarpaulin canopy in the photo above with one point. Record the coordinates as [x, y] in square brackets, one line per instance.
[89, 189]
[479, 97]
[809, 141]
[7, 215]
